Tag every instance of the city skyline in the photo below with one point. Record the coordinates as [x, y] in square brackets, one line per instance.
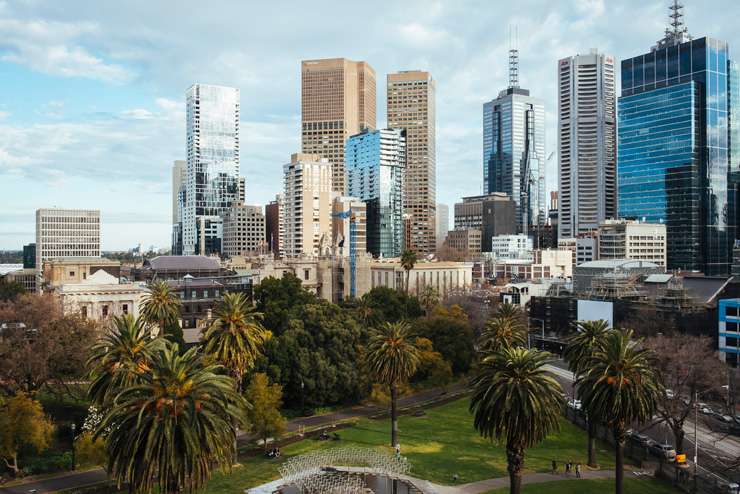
[98, 122]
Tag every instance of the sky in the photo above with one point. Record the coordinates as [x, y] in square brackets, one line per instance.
[92, 94]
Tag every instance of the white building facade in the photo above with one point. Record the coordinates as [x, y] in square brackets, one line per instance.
[66, 233]
[627, 239]
[244, 230]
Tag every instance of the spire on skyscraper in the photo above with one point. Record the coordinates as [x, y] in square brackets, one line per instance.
[677, 32]
[514, 58]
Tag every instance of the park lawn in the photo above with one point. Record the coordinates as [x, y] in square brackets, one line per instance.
[632, 485]
[438, 445]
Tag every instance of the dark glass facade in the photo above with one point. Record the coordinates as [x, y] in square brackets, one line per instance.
[673, 153]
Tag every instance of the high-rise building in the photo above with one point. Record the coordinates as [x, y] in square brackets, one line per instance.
[627, 239]
[411, 106]
[212, 181]
[376, 165]
[244, 230]
[672, 162]
[349, 226]
[179, 181]
[307, 208]
[274, 225]
[514, 148]
[66, 233]
[586, 142]
[442, 223]
[493, 214]
[337, 101]
[29, 256]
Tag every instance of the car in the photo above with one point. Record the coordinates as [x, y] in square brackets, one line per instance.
[664, 451]
[706, 410]
[722, 418]
[640, 439]
[669, 394]
[574, 404]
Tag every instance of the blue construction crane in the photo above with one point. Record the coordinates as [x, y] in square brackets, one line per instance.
[352, 247]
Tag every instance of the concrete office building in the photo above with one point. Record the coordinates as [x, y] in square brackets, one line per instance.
[274, 225]
[586, 143]
[376, 165]
[66, 233]
[623, 239]
[307, 210]
[338, 98]
[514, 148]
[212, 172]
[511, 246]
[349, 226]
[411, 106]
[466, 241]
[244, 230]
[443, 223]
[493, 214]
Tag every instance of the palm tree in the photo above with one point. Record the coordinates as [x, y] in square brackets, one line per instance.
[506, 329]
[120, 358]
[580, 347]
[364, 310]
[236, 335]
[393, 359]
[619, 386]
[175, 427]
[517, 402]
[161, 307]
[429, 299]
[408, 260]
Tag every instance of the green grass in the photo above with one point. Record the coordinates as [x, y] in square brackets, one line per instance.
[595, 486]
[438, 445]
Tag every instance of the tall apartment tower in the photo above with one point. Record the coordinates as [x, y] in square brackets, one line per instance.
[338, 98]
[179, 181]
[411, 106]
[212, 182]
[307, 208]
[244, 230]
[514, 148]
[586, 143]
[376, 165]
[673, 150]
[443, 223]
[66, 233]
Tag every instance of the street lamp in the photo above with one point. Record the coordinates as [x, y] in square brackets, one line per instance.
[73, 444]
[303, 406]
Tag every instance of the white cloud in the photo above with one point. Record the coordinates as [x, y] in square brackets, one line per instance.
[4, 114]
[53, 48]
[422, 36]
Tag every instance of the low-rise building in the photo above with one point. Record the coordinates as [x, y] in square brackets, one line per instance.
[627, 239]
[616, 272]
[511, 246]
[27, 277]
[199, 296]
[64, 270]
[100, 296]
[442, 276]
[163, 268]
[729, 331]
[542, 264]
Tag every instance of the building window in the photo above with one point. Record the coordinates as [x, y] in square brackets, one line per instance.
[84, 276]
[105, 311]
[205, 293]
[71, 273]
[83, 312]
[306, 274]
[125, 308]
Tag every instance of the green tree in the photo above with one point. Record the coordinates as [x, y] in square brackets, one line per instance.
[506, 329]
[23, 424]
[516, 402]
[393, 359]
[161, 310]
[388, 305]
[120, 358]
[581, 345]
[175, 427]
[264, 417]
[451, 335]
[408, 260]
[619, 386]
[429, 299]
[89, 450]
[236, 336]
[433, 369]
[278, 298]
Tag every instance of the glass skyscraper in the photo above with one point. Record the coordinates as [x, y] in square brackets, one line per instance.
[514, 142]
[673, 152]
[376, 166]
[212, 171]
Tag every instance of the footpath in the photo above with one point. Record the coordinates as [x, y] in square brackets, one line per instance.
[77, 480]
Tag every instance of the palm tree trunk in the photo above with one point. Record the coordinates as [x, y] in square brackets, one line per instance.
[592, 444]
[394, 416]
[678, 436]
[515, 460]
[619, 460]
[408, 276]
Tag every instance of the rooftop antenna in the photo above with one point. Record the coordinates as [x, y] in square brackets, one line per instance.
[677, 32]
[514, 58]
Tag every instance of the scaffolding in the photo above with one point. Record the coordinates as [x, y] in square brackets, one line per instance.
[616, 285]
[675, 297]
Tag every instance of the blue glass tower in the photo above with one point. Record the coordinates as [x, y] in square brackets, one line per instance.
[673, 152]
[376, 166]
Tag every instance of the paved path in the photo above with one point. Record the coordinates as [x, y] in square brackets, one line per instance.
[82, 479]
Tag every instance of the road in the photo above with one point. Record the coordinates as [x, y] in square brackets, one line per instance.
[712, 443]
[82, 479]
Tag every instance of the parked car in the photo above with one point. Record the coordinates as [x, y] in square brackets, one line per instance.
[664, 451]
[669, 394]
[722, 418]
[639, 439]
[705, 410]
[574, 404]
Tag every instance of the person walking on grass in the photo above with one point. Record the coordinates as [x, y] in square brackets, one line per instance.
[578, 470]
[554, 467]
[567, 468]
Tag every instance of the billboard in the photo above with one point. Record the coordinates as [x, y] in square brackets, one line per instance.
[593, 310]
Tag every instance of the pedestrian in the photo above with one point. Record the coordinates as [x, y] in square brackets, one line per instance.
[554, 467]
[567, 468]
[578, 470]
[398, 451]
